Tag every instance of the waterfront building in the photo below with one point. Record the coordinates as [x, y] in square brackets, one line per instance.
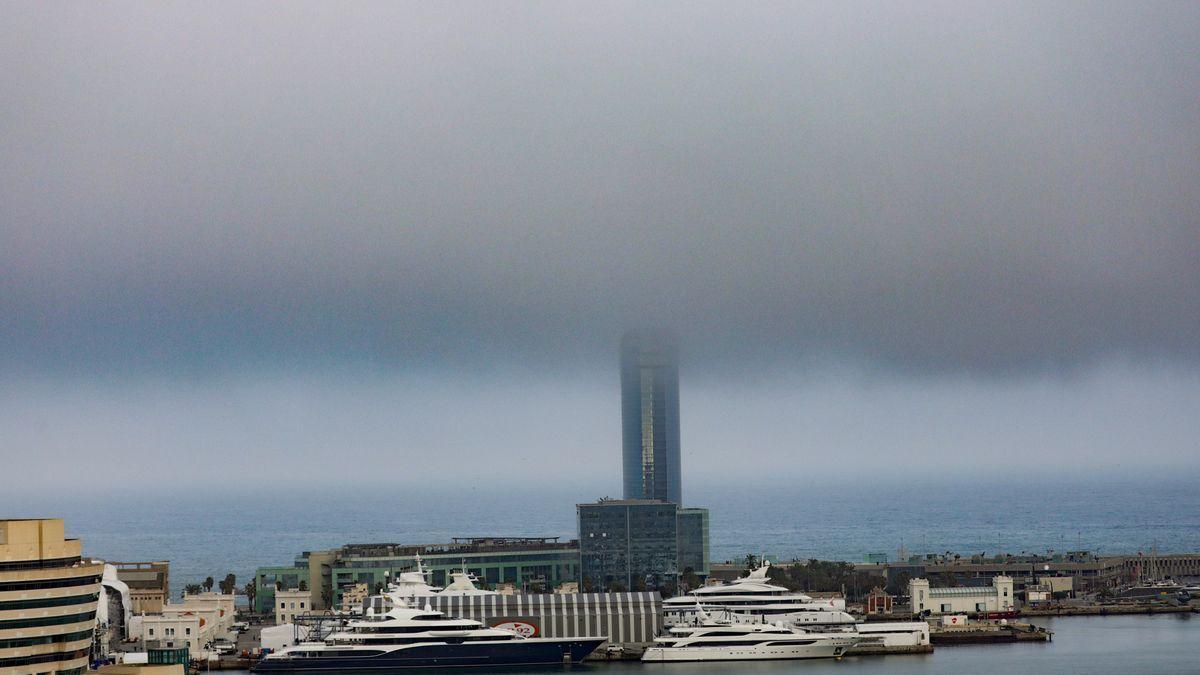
[291, 603]
[48, 599]
[149, 584]
[521, 561]
[693, 541]
[962, 599]
[266, 579]
[650, 417]
[628, 544]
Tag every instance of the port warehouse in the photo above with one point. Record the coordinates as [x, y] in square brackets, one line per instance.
[624, 618]
[521, 561]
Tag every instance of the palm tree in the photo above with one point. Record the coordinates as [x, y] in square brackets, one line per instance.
[208, 583]
[191, 589]
[250, 590]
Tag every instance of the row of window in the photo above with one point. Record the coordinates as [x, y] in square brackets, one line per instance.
[49, 602]
[45, 640]
[47, 621]
[282, 605]
[168, 632]
[48, 563]
[43, 658]
[49, 583]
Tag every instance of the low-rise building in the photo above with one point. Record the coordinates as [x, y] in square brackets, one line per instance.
[353, 597]
[962, 599]
[291, 603]
[218, 605]
[878, 601]
[180, 628]
[149, 584]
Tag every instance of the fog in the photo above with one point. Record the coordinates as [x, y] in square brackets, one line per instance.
[947, 237]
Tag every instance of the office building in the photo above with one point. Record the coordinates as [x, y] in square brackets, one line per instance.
[650, 417]
[628, 544]
[48, 599]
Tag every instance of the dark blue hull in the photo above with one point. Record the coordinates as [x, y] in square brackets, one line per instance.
[508, 654]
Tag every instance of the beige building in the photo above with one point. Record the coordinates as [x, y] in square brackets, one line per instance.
[291, 603]
[148, 582]
[962, 599]
[48, 597]
[353, 598]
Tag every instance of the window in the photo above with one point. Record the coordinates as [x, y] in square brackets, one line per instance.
[151, 632]
[293, 605]
[187, 631]
[946, 607]
[301, 604]
[283, 605]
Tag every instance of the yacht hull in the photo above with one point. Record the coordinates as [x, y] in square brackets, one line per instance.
[507, 654]
[823, 650]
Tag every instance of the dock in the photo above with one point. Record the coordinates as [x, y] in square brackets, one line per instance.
[984, 633]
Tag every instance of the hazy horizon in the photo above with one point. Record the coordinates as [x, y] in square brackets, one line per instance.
[400, 242]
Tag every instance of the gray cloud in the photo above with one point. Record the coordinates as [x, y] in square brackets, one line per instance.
[944, 188]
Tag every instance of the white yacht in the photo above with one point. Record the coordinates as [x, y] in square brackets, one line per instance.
[411, 585]
[711, 640]
[754, 598]
[405, 638]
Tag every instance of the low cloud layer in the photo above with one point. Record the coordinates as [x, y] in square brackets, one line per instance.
[957, 187]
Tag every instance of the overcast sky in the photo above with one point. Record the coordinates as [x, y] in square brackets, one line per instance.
[352, 242]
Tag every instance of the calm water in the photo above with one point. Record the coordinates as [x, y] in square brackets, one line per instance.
[209, 533]
[1127, 645]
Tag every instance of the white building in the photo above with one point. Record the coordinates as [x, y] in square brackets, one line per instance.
[962, 599]
[290, 604]
[222, 603]
[180, 627]
[198, 621]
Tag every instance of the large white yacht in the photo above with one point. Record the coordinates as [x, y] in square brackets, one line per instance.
[733, 640]
[753, 597]
[405, 638]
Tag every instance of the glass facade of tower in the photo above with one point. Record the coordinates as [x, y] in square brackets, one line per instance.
[650, 418]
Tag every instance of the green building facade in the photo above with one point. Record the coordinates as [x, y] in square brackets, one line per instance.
[527, 563]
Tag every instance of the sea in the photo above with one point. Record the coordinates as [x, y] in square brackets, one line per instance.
[210, 532]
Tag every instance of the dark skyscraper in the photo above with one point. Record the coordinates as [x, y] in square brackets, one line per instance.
[650, 417]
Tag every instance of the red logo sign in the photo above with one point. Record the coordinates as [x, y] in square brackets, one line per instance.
[522, 628]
